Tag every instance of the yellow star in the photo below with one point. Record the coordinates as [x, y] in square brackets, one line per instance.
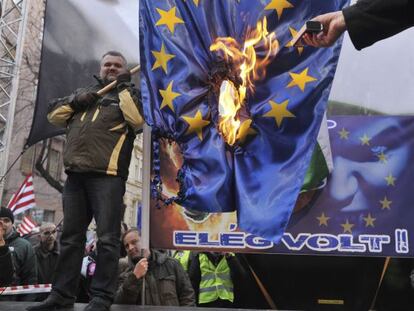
[293, 32]
[279, 112]
[369, 221]
[343, 134]
[385, 204]
[169, 19]
[323, 220]
[347, 226]
[279, 6]
[168, 96]
[390, 180]
[161, 58]
[195, 2]
[196, 124]
[244, 131]
[382, 157]
[365, 140]
[300, 79]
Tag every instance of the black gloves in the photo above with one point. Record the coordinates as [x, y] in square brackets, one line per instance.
[123, 80]
[83, 100]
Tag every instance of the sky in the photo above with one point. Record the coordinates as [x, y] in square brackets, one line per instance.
[380, 77]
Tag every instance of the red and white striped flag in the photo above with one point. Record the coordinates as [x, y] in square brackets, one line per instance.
[24, 198]
[27, 225]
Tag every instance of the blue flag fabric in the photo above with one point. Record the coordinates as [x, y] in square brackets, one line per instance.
[261, 177]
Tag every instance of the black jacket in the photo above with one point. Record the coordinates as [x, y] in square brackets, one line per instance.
[6, 264]
[23, 258]
[369, 21]
[46, 263]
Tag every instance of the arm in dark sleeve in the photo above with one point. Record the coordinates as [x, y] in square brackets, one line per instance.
[185, 290]
[194, 273]
[62, 109]
[6, 264]
[369, 21]
[129, 289]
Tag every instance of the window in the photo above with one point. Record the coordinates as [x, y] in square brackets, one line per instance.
[48, 216]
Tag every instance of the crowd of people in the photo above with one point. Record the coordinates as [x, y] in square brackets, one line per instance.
[183, 278]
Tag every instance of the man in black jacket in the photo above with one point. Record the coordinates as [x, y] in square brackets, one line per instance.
[100, 132]
[6, 264]
[17, 251]
[367, 22]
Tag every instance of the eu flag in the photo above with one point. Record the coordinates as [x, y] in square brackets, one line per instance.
[261, 175]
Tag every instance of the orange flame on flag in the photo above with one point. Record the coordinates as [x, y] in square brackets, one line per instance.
[249, 68]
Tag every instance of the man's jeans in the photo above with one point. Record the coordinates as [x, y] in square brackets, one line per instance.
[85, 196]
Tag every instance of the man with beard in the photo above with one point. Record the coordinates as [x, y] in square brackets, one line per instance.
[47, 253]
[100, 133]
[166, 282]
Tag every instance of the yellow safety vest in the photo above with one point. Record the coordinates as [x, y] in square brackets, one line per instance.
[183, 257]
[215, 281]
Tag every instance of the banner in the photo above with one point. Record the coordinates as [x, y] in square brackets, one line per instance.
[364, 210]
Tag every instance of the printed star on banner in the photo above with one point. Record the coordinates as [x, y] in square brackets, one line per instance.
[343, 134]
[161, 59]
[369, 221]
[293, 33]
[279, 112]
[196, 124]
[300, 79]
[279, 6]
[385, 203]
[365, 140]
[244, 131]
[390, 180]
[347, 226]
[323, 220]
[382, 157]
[169, 19]
[168, 96]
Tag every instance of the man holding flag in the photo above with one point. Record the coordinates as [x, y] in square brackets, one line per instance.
[100, 131]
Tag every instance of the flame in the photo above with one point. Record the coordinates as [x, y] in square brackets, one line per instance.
[248, 67]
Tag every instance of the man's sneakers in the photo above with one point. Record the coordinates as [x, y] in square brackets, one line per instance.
[49, 304]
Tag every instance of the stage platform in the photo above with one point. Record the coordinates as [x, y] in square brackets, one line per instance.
[21, 306]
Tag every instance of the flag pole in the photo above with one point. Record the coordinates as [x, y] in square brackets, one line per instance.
[111, 85]
[145, 212]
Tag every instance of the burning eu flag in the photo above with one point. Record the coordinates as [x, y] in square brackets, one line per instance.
[223, 80]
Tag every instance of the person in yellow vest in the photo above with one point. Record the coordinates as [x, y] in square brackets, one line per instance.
[184, 258]
[216, 279]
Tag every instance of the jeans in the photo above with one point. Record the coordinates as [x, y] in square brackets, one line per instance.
[85, 196]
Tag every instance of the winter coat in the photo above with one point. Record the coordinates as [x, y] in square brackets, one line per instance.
[23, 258]
[369, 21]
[100, 137]
[166, 284]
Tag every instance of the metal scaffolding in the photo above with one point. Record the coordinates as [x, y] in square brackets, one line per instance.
[12, 27]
